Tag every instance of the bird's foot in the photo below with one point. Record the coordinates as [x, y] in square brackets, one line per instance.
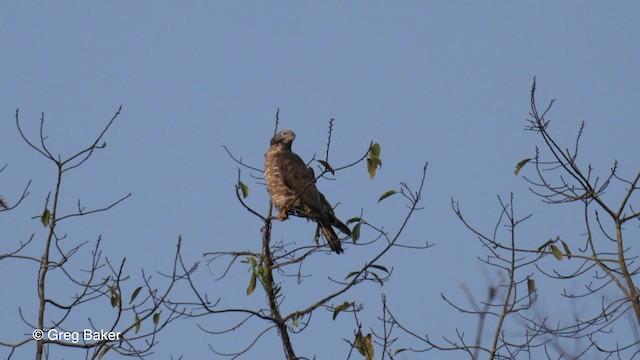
[282, 216]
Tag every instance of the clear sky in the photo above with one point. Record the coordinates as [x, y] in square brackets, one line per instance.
[444, 82]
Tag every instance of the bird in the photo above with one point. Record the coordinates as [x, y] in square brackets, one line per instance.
[292, 189]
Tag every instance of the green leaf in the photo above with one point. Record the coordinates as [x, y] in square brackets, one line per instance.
[351, 274]
[556, 252]
[252, 260]
[252, 283]
[520, 165]
[137, 323]
[531, 285]
[387, 194]
[378, 278]
[295, 319]
[355, 233]
[104, 351]
[398, 351]
[135, 294]
[115, 300]
[372, 166]
[244, 188]
[359, 343]
[115, 296]
[156, 318]
[368, 347]
[566, 249]
[345, 305]
[374, 151]
[46, 217]
[541, 247]
[379, 267]
[352, 220]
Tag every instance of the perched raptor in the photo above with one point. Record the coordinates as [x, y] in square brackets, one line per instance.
[291, 186]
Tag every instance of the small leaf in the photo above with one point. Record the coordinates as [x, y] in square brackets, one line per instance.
[520, 165]
[556, 252]
[531, 285]
[359, 343]
[399, 351]
[351, 274]
[372, 166]
[252, 260]
[107, 347]
[368, 347]
[373, 161]
[115, 296]
[355, 233]
[46, 217]
[374, 151]
[352, 220]
[379, 267]
[378, 278]
[252, 283]
[386, 195]
[295, 319]
[345, 305]
[115, 300]
[135, 293]
[137, 323]
[156, 318]
[244, 188]
[566, 249]
[541, 247]
[327, 167]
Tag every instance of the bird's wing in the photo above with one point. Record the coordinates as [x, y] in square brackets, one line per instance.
[297, 177]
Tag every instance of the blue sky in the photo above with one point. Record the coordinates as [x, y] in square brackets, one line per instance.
[444, 82]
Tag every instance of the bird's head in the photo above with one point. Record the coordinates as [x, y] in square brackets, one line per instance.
[285, 137]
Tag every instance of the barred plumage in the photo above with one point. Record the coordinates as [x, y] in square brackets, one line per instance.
[291, 186]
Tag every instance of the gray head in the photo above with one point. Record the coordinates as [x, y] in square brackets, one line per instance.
[285, 137]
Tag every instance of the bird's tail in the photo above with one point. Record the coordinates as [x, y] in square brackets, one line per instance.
[330, 236]
[342, 227]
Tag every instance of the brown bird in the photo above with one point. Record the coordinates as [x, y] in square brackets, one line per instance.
[291, 186]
